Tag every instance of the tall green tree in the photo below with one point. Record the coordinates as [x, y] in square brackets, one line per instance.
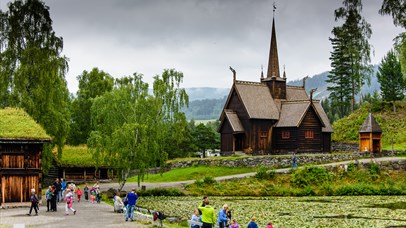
[33, 68]
[340, 74]
[205, 138]
[91, 85]
[391, 78]
[354, 35]
[131, 126]
[397, 9]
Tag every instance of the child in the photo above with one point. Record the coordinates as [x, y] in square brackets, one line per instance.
[269, 225]
[48, 196]
[253, 224]
[69, 202]
[86, 189]
[234, 224]
[79, 194]
[93, 194]
[195, 218]
[34, 202]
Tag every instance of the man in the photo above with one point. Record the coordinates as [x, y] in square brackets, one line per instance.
[58, 188]
[208, 214]
[131, 202]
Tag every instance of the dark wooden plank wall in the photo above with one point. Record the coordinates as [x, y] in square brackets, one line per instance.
[326, 141]
[281, 145]
[310, 123]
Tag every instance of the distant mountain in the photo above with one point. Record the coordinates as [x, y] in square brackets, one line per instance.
[319, 81]
[206, 103]
[202, 93]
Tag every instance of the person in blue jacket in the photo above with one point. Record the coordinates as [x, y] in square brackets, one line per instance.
[222, 218]
[131, 202]
[253, 224]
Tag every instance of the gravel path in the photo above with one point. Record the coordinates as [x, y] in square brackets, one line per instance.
[88, 215]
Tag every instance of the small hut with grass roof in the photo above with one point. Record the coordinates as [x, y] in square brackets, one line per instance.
[21, 144]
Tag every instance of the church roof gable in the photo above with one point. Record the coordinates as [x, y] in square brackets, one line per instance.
[257, 100]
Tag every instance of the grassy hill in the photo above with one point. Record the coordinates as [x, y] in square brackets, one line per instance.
[393, 124]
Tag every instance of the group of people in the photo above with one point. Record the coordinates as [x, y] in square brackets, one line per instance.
[61, 191]
[207, 216]
[127, 205]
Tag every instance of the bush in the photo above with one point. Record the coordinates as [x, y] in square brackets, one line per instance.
[161, 192]
[310, 176]
[263, 174]
[209, 180]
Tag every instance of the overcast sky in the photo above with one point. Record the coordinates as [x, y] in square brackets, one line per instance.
[202, 38]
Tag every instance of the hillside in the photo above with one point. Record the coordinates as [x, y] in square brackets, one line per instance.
[393, 124]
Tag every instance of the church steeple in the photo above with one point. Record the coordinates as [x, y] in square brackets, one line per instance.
[273, 63]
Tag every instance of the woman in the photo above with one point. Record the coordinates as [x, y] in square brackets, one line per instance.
[222, 219]
[253, 224]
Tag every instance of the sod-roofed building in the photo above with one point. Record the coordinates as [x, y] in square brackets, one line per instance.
[271, 117]
[21, 144]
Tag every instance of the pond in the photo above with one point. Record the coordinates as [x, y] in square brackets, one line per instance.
[331, 211]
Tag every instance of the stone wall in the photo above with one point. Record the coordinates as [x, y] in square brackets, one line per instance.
[344, 147]
[268, 161]
[383, 165]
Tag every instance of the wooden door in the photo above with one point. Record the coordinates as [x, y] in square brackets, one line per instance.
[16, 188]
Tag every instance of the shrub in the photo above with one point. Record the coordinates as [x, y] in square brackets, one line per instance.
[310, 176]
[209, 180]
[161, 192]
[264, 174]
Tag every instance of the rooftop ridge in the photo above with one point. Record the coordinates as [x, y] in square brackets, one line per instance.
[248, 82]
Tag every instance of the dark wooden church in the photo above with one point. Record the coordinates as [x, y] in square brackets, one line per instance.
[270, 117]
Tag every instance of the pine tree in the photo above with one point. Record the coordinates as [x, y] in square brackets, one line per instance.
[339, 76]
[353, 53]
[391, 78]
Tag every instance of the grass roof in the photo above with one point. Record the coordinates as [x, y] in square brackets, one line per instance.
[76, 156]
[17, 124]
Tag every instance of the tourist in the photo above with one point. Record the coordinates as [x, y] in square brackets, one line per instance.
[86, 189]
[131, 203]
[97, 189]
[222, 219]
[79, 194]
[48, 197]
[63, 188]
[53, 198]
[34, 202]
[234, 224]
[208, 214]
[69, 202]
[93, 194]
[269, 225]
[294, 160]
[72, 187]
[58, 188]
[228, 212]
[253, 224]
[195, 218]
[118, 203]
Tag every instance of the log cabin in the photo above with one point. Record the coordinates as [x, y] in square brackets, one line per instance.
[270, 117]
[21, 145]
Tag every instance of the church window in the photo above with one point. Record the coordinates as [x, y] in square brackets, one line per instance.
[286, 134]
[309, 134]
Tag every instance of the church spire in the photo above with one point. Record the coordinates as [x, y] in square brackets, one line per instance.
[273, 64]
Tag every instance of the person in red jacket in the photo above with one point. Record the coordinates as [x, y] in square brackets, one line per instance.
[78, 193]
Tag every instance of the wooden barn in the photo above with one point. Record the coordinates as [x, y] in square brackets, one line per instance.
[21, 143]
[370, 135]
[270, 117]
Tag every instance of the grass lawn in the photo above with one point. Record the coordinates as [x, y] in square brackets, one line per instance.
[192, 173]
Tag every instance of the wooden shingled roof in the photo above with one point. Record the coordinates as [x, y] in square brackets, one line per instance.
[16, 124]
[292, 114]
[257, 100]
[370, 125]
[234, 121]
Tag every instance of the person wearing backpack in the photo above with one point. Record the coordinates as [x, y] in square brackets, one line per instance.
[131, 202]
[69, 202]
[34, 202]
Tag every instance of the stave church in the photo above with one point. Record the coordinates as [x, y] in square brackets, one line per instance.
[271, 117]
